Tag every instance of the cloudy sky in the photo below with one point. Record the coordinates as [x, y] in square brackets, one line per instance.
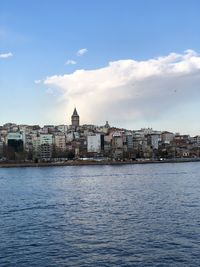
[135, 63]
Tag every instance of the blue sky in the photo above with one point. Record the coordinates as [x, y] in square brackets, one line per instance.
[43, 35]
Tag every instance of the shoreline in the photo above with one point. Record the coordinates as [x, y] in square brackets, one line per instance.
[92, 163]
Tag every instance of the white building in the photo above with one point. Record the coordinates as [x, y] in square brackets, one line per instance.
[95, 143]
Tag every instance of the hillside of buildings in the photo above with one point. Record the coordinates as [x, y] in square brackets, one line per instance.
[25, 143]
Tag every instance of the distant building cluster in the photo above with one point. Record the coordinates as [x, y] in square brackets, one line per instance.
[75, 141]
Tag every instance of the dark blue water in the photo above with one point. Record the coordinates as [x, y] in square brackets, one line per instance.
[133, 215]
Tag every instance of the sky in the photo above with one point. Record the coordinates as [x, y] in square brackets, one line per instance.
[133, 63]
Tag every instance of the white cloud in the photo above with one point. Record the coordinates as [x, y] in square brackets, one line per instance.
[130, 90]
[81, 51]
[6, 55]
[70, 62]
[37, 81]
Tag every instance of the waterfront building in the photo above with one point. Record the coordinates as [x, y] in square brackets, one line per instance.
[36, 145]
[45, 151]
[60, 141]
[42, 145]
[129, 140]
[46, 142]
[1, 148]
[15, 141]
[153, 140]
[117, 140]
[28, 145]
[117, 145]
[14, 136]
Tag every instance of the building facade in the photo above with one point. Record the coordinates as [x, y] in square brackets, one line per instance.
[95, 143]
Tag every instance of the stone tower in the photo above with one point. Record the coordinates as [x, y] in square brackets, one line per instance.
[75, 118]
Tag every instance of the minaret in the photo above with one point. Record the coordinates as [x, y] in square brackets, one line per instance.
[75, 118]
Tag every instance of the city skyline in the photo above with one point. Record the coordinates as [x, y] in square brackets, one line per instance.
[75, 125]
[133, 63]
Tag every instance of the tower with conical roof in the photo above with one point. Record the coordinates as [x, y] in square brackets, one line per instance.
[75, 118]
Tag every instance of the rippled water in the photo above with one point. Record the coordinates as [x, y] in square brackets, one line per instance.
[129, 215]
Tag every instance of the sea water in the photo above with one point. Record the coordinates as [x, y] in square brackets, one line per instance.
[124, 215]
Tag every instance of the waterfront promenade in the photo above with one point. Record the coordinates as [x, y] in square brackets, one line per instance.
[94, 162]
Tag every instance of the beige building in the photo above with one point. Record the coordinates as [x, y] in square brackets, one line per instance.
[167, 137]
[60, 141]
